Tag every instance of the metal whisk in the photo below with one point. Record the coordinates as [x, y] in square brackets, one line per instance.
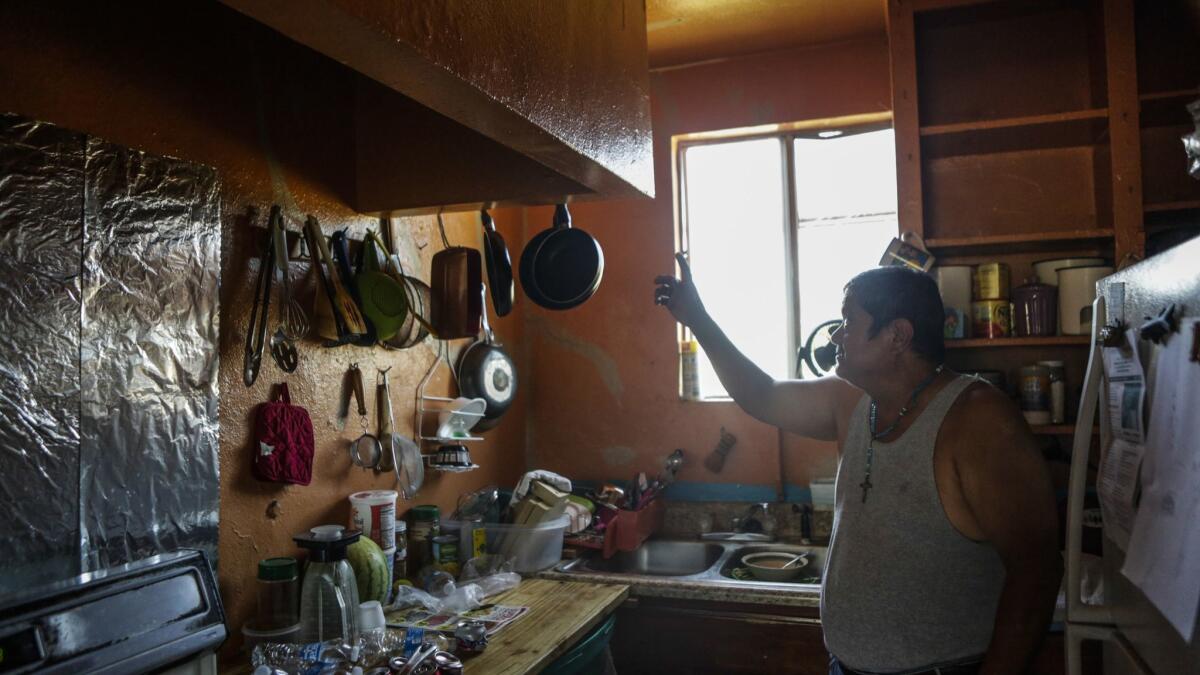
[295, 323]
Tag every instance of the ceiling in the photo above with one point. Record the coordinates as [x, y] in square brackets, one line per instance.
[686, 31]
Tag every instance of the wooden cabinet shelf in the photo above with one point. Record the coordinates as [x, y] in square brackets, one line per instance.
[1160, 207]
[1053, 130]
[1059, 430]
[1044, 241]
[1166, 108]
[993, 343]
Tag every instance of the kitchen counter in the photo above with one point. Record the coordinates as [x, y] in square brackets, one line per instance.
[639, 585]
[560, 614]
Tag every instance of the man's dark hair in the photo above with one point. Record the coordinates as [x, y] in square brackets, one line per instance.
[890, 293]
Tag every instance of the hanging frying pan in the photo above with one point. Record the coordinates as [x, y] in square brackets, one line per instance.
[456, 286]
[499, 266]
[561, 267]
[486, 371]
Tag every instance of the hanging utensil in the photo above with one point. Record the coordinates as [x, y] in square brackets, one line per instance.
[410, 468]
[345, 311]
[294, 321]
[365, 451]
[561, 267]
[256, 332]
[499, 266]
[283, 349]
[384, 300]
[339, 244]
[486, 371]
[455, 282]
[383, 404]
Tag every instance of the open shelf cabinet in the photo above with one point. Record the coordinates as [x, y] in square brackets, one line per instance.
[1029, 130]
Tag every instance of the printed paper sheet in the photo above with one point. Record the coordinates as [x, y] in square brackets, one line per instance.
[1165, 544]
[1119, 463]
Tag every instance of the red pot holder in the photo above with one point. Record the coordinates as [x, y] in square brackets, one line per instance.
[283, 441]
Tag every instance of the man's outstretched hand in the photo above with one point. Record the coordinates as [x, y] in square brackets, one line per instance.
[679, 296]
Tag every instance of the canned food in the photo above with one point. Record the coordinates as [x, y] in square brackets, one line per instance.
[446, 546]
[992, 319]
[448, 664]
[990, 282]
[1035, 394]
[471, 637]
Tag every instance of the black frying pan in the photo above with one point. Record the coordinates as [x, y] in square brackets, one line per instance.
[561, 267]
[499, 266]
[486, 371]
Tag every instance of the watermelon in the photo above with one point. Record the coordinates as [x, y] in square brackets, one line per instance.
[371, 573]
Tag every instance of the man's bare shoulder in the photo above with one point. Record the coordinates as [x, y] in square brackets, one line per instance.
[982, 419]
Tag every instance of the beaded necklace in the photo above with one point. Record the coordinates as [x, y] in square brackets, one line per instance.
[874, 419]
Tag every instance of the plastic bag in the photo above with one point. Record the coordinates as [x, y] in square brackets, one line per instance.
[457, 599]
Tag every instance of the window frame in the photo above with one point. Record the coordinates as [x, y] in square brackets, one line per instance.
[786, 134]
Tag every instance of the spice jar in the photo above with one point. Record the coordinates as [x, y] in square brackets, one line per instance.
[278, 594]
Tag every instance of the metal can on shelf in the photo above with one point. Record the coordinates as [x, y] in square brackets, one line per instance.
[1058, 390]
[990, 282]
[991, 318]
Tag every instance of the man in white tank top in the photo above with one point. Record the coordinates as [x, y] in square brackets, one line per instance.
[980, 497]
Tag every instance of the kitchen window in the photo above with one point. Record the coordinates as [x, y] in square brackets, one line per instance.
[776, 222]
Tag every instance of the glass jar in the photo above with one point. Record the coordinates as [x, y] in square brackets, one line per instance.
[425, 527]
[400, 559]
[1035, 394]
[278, 594]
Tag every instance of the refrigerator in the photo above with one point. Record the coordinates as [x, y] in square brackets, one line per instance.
[1137, 638]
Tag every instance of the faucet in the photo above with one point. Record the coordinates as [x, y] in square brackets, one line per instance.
[748, 522]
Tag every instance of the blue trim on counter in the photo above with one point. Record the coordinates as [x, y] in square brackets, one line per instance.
[701, 491]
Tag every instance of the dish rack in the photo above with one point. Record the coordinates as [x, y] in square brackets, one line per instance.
[627, 530]
[420, 410]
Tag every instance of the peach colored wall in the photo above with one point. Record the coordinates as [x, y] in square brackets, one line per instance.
[604, 400]
[209, 86]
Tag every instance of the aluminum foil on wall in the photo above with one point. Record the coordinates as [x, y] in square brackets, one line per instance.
[125, 384]
[41, 235]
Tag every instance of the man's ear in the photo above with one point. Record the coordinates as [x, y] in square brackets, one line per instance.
[900, 335]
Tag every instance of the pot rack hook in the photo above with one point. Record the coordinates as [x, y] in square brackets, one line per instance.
[442, 227]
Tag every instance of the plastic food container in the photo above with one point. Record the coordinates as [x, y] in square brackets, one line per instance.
[252, 637]
[374, 512]
[532, 548]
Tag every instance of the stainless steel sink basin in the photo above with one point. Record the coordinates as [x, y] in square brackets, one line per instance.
[701, 561]
[661, 558]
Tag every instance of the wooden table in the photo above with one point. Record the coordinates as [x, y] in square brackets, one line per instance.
[560, 613]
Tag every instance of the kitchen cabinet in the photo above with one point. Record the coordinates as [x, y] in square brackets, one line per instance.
[1031, 130]
[655, 635]
[464, 102]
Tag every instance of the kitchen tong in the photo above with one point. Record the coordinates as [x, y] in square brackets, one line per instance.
[256, 332]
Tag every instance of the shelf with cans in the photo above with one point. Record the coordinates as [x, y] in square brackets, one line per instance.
[1029, 338]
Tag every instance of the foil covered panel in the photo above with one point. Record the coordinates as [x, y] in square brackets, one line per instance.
[151, 271]
[41, 234]
[109, 284]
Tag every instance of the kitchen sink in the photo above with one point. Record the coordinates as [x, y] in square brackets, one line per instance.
[694, 561]
[813, 568]
[661, 558]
